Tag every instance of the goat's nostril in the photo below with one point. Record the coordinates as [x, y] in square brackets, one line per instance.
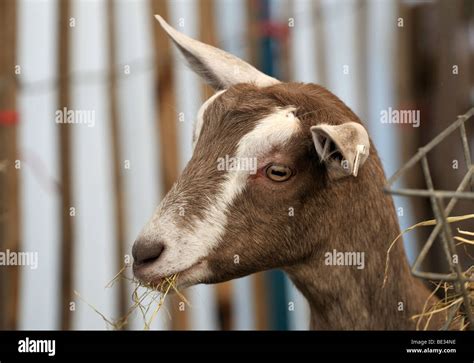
[146, 251]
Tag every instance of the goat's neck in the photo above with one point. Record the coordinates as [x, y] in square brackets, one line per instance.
[344, 297]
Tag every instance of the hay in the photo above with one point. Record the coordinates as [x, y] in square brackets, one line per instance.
[146, 303]
[427, 223]
[452, 304]
[464, 240]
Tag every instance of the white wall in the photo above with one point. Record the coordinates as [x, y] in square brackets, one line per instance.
[92, 172]
[92, 162]
[38, 151]
[143, 189]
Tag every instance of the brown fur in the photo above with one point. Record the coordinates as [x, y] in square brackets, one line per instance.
[352, 214]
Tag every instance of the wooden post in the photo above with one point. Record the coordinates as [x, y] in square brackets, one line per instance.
[9, 180]
[207, 33]
[166, 125]
[167, 115]
[252, 32]
[451, 97]
[119, 216]
[406, 96]
[65, 220]
[321, 43]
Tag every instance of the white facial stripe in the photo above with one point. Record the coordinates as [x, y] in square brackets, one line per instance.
[275, 129]
[186, 247]
[200, 116]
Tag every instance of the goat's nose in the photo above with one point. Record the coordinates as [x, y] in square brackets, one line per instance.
[145, 251]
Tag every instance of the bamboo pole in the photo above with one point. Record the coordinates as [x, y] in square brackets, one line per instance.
[66, 220]
[167, 129]
[9, 178]
[119, 216]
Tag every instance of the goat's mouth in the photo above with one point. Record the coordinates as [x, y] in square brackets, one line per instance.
[147, 275]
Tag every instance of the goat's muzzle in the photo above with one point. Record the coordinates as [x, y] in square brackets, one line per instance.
[146, 253]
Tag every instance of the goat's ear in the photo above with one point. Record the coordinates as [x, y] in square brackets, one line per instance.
[218, 68]
[343, 148]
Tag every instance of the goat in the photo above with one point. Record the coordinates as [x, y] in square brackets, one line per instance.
[316, 191]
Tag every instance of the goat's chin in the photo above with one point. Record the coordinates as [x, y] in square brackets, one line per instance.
[196, 274]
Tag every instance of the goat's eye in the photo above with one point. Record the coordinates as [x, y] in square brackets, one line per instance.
[278, 173]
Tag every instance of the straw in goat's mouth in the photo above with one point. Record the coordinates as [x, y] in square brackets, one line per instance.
[143, 301]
